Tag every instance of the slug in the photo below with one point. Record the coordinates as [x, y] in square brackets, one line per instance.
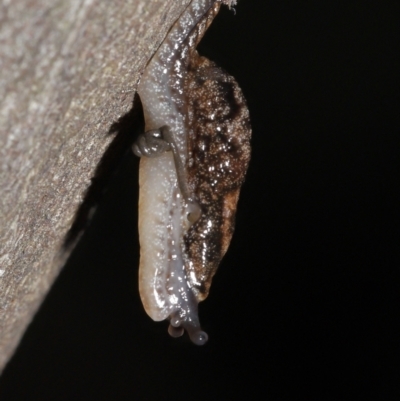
[194, 156]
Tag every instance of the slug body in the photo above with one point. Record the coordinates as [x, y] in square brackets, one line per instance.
[198, 149]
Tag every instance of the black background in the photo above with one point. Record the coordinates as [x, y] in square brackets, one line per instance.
[306, 302]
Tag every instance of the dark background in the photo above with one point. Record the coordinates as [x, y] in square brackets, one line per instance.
[306, 302]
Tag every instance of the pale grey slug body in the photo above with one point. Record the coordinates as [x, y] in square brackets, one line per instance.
[203, 166]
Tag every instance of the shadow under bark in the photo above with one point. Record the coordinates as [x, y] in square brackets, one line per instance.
[126, 130]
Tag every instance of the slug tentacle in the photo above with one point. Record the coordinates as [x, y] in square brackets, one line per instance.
[151, 144]
[195, 153]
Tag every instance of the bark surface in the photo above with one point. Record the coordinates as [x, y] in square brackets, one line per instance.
[68, 71]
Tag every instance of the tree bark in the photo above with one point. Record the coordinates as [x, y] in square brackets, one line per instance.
[68, 71]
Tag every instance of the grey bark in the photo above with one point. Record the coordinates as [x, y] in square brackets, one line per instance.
[68, 71]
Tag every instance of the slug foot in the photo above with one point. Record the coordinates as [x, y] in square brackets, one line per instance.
[156, 142]
[152, 143]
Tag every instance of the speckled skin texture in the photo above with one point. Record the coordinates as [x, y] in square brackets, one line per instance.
[219, 154]
[219, 131]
